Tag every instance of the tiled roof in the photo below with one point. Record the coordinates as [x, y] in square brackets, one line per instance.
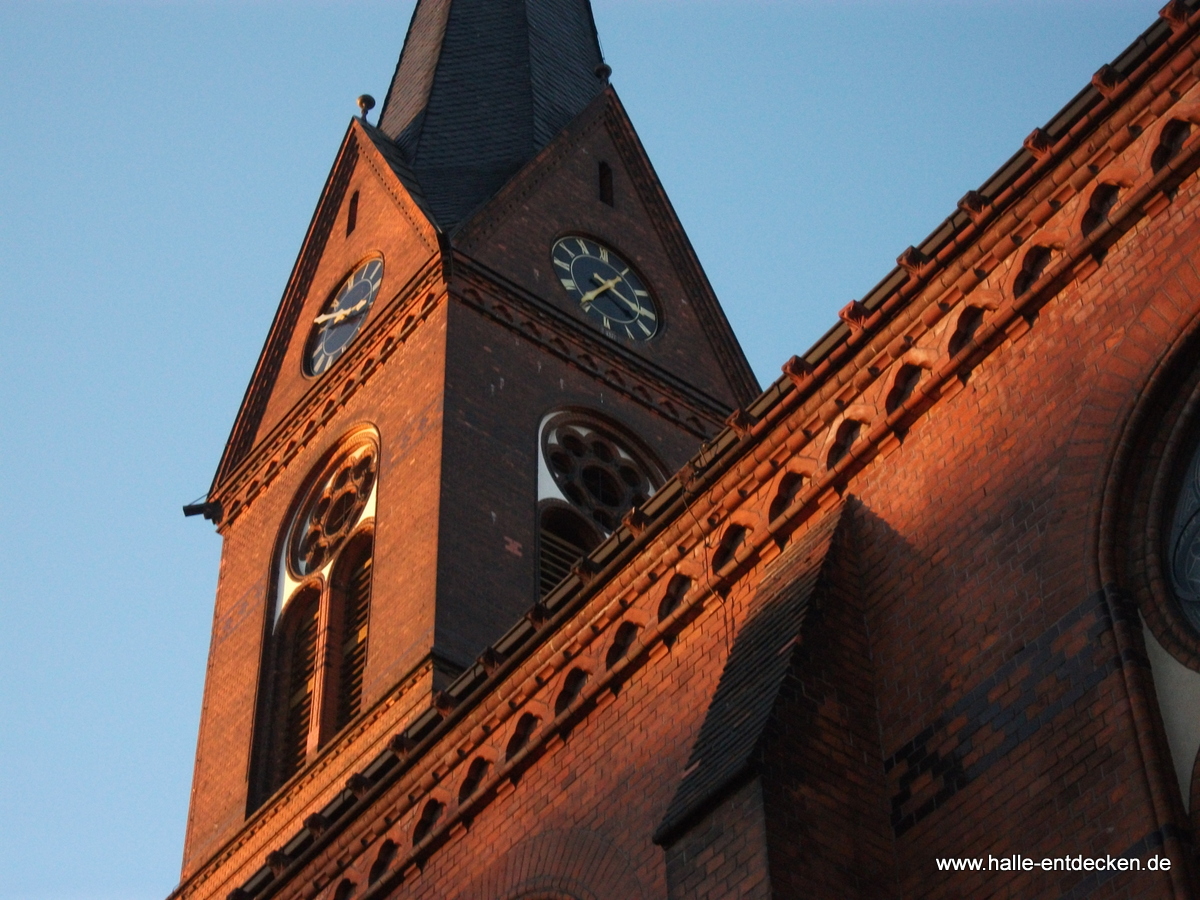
[758, 662]
[481, 87]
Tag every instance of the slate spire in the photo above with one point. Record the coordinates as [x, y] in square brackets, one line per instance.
[481, 87]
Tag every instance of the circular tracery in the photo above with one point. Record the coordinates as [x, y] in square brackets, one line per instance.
[332, 508]
[598, 472]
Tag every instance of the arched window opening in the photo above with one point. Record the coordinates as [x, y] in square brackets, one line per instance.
[1174, 135]
[572, 685]
[352, 214]
[316, 649]
[677, 589]
[789, 488]
[475, 774]
[565, 537]
[383, 862]
[522, 734]
[352, 593]
[622, 641]
[429, 817]
[606, 183]
[731, 542]
[592, 473]
[1032, 266]
[906, 382]
[968, 323]
[345, 890]
[298, 678]
[1183, 553]
[847, 434]
[1104, 198]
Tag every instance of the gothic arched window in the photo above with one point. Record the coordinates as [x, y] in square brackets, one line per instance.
[316, 649]
[593, 473]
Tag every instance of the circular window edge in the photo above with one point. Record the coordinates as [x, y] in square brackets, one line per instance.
[1161, 609]
[597, 420]
[1148, 458]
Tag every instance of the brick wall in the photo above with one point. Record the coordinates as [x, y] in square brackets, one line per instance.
[975, 682]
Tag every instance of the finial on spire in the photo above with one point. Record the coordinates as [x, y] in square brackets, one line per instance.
[366, 103]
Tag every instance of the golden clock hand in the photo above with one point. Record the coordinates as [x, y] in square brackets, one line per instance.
[604, 286]
[611, 286]
[340, 315]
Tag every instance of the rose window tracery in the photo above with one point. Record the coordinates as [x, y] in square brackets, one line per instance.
[332, 508]
[598, 472]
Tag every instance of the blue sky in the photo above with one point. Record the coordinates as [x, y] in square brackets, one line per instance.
[159, 163]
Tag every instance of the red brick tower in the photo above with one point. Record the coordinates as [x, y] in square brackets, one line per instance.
[496, 343]
[921, 619]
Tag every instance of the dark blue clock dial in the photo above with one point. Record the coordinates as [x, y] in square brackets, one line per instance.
[342, 317]
[606, 288]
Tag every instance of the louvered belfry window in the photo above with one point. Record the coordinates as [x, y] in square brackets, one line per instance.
[353, 636]
[564, 538]
[316, 657]
[300, 658]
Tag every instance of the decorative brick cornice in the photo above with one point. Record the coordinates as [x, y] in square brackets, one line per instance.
[624, 372]
[263, 827]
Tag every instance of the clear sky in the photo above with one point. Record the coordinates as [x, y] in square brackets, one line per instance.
[159, 163]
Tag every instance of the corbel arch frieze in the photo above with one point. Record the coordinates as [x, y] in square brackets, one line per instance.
[788, 484]
[842, 433]
[593, 357]
[1186, 110]
[1124, 175]
[1033, 258]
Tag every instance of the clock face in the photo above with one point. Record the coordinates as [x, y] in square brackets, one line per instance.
[606, 288]
[342, 317]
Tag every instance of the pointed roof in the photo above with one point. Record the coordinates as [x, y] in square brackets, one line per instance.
[481, 87]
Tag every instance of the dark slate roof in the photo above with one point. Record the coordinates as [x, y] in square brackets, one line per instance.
[757, 665]
[481, 87]
[395, 159]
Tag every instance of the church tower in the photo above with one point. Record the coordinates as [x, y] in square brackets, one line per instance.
[496, 344]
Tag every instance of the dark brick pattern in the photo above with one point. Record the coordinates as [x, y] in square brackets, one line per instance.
[1052, 675]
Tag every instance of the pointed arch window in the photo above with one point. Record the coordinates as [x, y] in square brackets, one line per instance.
[593, 472]
[316, 648]
[296, 675]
